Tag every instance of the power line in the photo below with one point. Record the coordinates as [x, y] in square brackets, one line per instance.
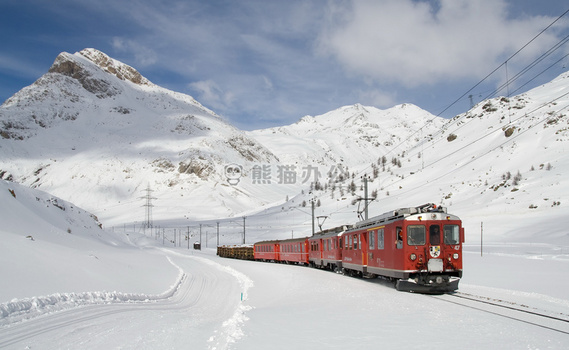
[482, 80]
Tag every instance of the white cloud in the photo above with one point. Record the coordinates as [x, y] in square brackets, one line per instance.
[143, 55]
[413, 43]
[377, 98]
[212, 95]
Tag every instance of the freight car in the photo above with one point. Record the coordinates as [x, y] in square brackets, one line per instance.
[244, 252]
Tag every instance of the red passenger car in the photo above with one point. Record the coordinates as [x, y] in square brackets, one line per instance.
[325, 250]
[420, 248]
[266, 251]
[294, 251]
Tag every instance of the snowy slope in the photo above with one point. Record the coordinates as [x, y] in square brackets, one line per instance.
[49, 244]
[351, 135]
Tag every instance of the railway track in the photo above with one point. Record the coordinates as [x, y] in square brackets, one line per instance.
[554, 321]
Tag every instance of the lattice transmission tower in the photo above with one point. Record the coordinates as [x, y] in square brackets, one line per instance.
[148, 211]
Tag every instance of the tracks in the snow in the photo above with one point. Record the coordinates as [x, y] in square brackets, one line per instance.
[553, 321]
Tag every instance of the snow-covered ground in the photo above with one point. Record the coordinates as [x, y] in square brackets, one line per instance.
[78, 286]
[232, 304]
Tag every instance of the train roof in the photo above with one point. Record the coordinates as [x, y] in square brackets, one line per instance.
[278, 241]
[400, 214]
[331, 232]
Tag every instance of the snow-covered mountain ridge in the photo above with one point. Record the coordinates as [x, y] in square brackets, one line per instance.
[350, 135]
[94, 131]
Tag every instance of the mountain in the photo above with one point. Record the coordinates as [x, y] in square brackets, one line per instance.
[96, 132]
[350, 135]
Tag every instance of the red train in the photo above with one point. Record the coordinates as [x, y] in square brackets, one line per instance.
[420, 248]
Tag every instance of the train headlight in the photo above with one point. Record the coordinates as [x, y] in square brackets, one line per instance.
[455, 256]
[413, 257]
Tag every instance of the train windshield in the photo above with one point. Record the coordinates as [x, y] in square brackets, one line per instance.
[416, 235]
[434, 235]
[452, 234]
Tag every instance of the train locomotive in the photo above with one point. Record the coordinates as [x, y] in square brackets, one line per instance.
[419, 248]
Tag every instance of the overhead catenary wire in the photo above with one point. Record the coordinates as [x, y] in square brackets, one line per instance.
[490, 150]
[524, 71]
[482, 80]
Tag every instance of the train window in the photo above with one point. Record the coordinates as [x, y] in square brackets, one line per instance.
[380, 239]
[434, 235]
[356, 241]
[399, 237]
[371, 240]
[416, 235]
[451, 234]
[351, 242]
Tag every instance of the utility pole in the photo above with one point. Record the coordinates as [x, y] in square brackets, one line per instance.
[481, 235]
[244, 229]
[365, 178]
[365, 196]
[312, 205]
[217, 234]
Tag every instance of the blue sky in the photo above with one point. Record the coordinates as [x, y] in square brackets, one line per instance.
[268, 63]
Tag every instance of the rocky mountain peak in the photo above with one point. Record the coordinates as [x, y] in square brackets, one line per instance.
[114, 67]
[73, 67]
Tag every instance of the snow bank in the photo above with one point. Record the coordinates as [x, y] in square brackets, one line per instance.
[19, 309]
